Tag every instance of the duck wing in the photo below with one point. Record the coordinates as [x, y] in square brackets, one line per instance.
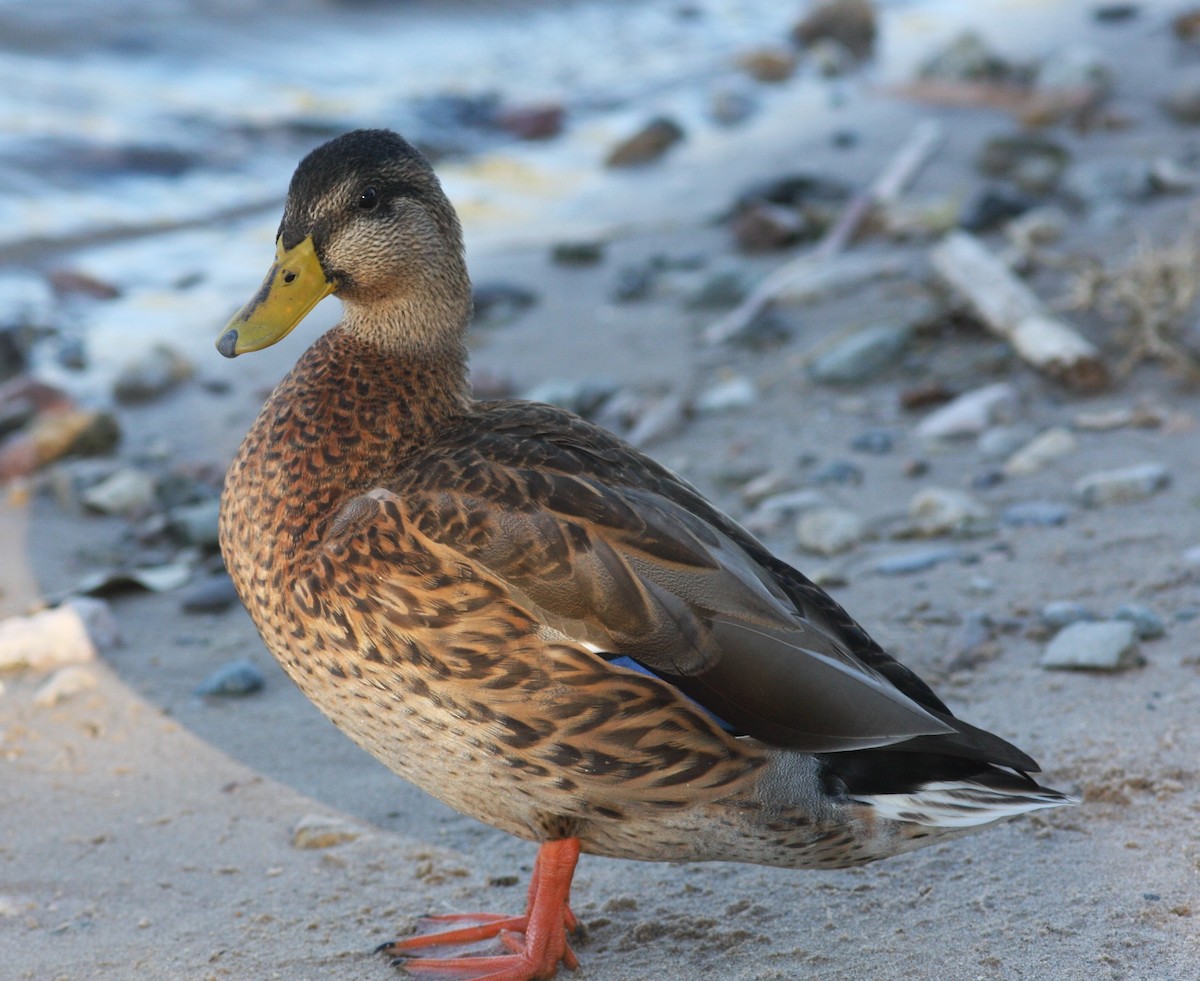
[612, 553]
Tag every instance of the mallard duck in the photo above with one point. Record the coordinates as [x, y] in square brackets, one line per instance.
[536, 623]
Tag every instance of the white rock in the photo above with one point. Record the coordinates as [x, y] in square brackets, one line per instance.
[943, 510]
[1121, 486]
[774, 510]
[63, 684]
[1041, 450]
[45, 640]
[829, 530]
[735, 393]
[969, 414]
[1104, 645]
[126, 492]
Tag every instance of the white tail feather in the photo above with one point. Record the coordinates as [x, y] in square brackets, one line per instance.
[960, 805]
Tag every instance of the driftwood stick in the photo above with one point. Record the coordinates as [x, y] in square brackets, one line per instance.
[805, 269]
[1010, 310]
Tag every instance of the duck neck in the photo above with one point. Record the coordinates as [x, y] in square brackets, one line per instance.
[347, 417]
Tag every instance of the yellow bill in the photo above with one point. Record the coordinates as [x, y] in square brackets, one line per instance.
[294, 285]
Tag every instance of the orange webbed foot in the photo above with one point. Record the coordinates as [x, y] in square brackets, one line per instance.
[537, 940]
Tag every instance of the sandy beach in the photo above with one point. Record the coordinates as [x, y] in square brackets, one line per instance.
[149, 831]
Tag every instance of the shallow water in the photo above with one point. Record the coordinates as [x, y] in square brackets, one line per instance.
[153, 139]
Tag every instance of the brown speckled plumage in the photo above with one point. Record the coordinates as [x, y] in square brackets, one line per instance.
[453, 582]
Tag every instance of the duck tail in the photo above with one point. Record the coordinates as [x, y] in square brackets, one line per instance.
[966, 803]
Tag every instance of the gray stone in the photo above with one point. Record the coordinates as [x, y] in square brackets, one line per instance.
[732, 104]
[722, 289]
[838, 472]
[915, 560]
[773, 511]
[829, 530]
[1076, 66]
[128, 491]
[1062, 613]
[583, 397]
[196, 524]
[1095, 182]
[876, 442]
[1146, 623]
[152, 374]
[1035, 514]
[661, 418]
[1182, 103]
[1001, 442]
[1105, 645]
[210, 595]
[1122, 486]
[237, 678]
[861, 356]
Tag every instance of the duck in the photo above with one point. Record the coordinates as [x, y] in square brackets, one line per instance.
[532, 620]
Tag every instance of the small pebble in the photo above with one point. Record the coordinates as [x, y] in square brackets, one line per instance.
[577, 253]
[633, 283]
[944, 511]
[970, 413]
[646, 145]
[1122, 486]
[323, 831]
[1115, 13]
[128, 491]
[721, 290]
[196, 524]
[235, 679]
[212, 594]
[967, 58]
[876, 442]
[993, 207]
[734, 393]
[1105, 645]
[773, 511]
[63, 684]
[730, 105]
[533, 122]
[583, 397]
[497, 304]
[1062, 613]
[1095, 182]
[838, 472]
[1040, 451]
[1147, 624]
[851, 23]
[829, 530]
[762, 226]
[662, 418]
[915, 560]
[764, 486]
[1182, 103]
[1035, 514]
[1001, 442]
[151, 375]
[862, 356]
[770, 65]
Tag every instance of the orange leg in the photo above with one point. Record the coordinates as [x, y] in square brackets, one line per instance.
[544, 926]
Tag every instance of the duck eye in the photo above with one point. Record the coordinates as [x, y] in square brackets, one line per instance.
[369, 199]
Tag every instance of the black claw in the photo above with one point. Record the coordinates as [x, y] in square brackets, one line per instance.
[383, 946]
